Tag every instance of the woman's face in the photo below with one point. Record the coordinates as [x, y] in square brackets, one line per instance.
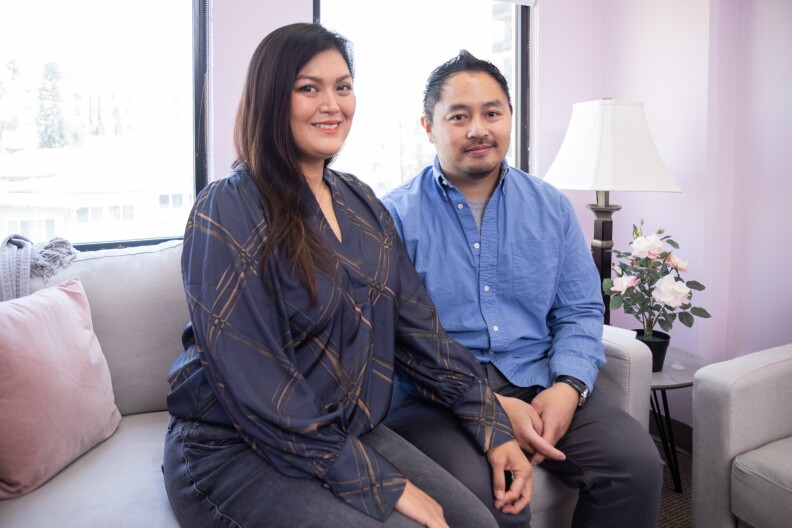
[322, 106]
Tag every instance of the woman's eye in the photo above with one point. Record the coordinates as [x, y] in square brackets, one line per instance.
[344, 88]
[307, 88]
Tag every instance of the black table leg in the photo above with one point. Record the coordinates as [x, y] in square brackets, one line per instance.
[666, 433]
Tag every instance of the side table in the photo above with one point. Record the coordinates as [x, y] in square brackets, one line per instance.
[678, 371]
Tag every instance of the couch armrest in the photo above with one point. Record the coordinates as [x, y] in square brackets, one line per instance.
[738, 405]
[627, 376]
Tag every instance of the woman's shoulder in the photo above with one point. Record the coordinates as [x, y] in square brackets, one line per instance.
[233, 189]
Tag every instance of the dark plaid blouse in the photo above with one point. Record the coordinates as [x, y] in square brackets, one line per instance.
[303, 384]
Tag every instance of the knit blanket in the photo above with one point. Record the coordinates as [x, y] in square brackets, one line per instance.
[21, 259]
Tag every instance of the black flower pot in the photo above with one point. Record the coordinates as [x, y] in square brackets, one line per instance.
[658, 345]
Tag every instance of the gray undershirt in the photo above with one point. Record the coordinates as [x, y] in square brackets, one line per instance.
[477, 207]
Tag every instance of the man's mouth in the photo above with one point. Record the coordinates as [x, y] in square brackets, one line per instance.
[478, 147]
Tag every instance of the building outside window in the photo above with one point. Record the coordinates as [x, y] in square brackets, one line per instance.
[96, 114]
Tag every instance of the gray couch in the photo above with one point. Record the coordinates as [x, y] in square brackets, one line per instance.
[742, 441]
[138, 308]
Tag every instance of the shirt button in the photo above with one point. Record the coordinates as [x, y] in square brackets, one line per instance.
[490, 352]
[495, 328]
[460, 206]
[486, 288]
[476, 245]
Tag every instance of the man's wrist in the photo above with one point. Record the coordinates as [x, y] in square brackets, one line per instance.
[579, 386]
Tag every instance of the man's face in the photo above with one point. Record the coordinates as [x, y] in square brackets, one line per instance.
[471, 127]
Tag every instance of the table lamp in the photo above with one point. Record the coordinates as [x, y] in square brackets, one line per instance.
[608, 147]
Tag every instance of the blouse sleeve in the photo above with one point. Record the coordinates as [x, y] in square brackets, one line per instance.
[243, 339]
[440, 369]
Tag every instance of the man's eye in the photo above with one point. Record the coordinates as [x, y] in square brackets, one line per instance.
[493, 114]
[457, 117]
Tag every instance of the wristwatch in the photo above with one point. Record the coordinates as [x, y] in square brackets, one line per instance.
[575, 384]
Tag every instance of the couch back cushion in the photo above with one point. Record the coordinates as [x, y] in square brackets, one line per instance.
[139, 310]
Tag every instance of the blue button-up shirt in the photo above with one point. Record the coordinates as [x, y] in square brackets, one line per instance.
[523, 291]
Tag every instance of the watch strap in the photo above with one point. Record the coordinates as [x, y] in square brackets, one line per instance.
[576, 384]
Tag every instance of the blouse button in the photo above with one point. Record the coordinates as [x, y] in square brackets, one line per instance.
[460, 206]
[486, 288]
[476, 245]
[495, 328]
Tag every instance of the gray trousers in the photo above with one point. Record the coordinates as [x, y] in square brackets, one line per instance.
[611, 458]
[213, 478]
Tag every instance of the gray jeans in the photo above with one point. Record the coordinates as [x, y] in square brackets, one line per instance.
[611, 458]
[213, 478]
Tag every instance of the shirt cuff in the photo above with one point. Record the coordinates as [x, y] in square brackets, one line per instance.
[365, 480]
[481, 414]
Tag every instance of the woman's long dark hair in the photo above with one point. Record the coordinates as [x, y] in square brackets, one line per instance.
[265, 144]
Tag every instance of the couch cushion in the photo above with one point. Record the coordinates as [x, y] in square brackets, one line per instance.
[761, 485]
[56, 398]
[117, 484]
[139, 311]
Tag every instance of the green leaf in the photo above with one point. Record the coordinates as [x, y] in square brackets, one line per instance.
[665, 324]
[606, 285]
[672, 243]
[686, 319]
[700, 312]
[616, 302]
[694, 285]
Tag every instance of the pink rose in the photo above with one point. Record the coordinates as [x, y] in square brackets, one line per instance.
[677, 263]
[622, 284]
[671, 292]
[650, 246]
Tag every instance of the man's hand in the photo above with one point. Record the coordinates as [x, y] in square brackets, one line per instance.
[420, 507]
[528, 428]
[556, 407]
[509, 457]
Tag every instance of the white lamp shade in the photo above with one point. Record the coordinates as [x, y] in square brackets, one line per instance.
[608, 147]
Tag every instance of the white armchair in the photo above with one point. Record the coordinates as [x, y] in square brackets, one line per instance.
[742, 441]
[627, 379]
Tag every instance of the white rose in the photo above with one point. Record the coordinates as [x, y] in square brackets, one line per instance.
[622, 284]
[671, 292]
[650, 246]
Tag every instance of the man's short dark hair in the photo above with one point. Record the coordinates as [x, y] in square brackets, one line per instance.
[463, 62]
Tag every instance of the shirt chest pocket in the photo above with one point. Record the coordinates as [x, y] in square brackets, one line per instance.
[534, 270]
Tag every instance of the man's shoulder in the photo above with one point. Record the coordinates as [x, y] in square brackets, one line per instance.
[408, 193]
[526, 182]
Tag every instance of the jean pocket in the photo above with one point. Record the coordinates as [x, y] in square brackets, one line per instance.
[212, 436]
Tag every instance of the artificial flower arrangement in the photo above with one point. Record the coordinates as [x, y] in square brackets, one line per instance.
[648, 284]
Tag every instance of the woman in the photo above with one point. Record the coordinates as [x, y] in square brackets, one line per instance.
[303, 304]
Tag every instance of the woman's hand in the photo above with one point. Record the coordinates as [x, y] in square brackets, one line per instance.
[420, 507]
[509, 457]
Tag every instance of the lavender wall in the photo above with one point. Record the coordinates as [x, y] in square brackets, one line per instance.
[714, 77]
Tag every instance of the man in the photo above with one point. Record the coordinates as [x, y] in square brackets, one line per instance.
[508, 269]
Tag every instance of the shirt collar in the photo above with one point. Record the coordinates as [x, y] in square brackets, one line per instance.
[443, 184]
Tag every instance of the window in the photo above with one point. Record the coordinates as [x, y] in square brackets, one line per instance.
[395, 52]
[97, 114]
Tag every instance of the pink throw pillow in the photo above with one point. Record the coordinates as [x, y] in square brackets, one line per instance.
[56, 396]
